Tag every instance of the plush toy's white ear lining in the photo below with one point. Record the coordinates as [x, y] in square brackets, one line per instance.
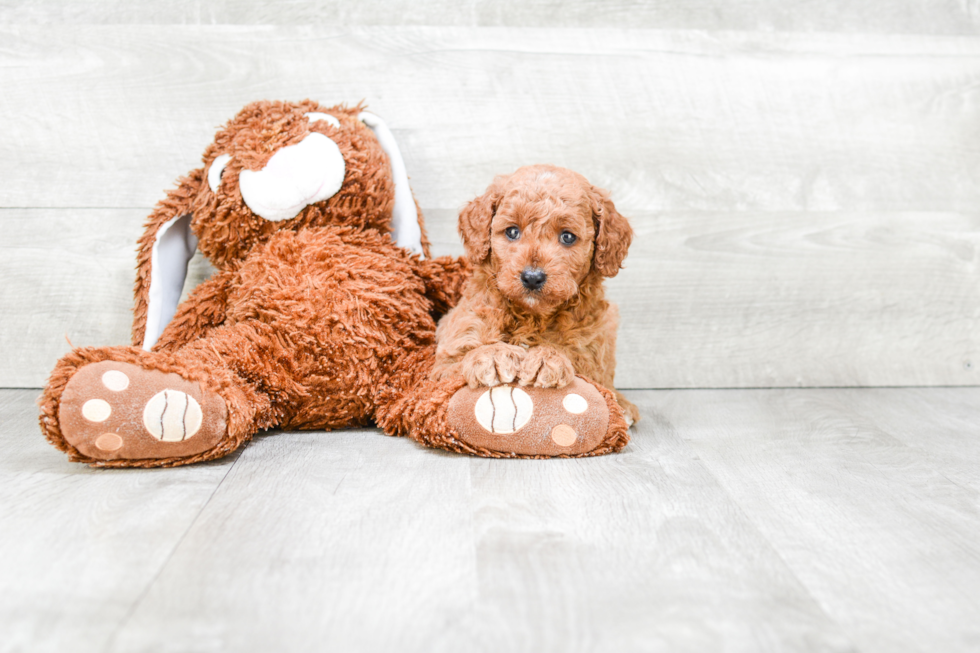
[405, 229]
[173, 248]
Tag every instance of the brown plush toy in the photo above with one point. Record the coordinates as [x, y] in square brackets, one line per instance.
[321, 313]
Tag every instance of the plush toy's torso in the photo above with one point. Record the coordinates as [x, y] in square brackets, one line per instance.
[329, 313]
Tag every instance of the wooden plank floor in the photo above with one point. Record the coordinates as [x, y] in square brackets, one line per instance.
[737, 520]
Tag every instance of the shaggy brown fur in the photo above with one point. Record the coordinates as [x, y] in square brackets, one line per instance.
[228, 229]
[315, 322]
[505, 330]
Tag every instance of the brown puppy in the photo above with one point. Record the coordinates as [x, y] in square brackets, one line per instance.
[541, 240]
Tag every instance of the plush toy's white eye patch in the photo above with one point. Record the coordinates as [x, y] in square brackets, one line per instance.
[214, 173]
[317, 115]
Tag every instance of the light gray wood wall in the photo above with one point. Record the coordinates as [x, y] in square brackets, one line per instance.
[804, 178]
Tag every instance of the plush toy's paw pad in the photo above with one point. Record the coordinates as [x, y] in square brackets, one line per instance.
[112, 411]
[531, 421]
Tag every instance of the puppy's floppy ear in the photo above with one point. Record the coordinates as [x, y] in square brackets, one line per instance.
[166, 246]
[474, 223]
[613, 234]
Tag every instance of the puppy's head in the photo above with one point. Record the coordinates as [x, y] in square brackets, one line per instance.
[541, 232]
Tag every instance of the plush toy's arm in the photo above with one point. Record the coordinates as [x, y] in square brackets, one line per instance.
[444, 278]
[163, 252]
[205, 308]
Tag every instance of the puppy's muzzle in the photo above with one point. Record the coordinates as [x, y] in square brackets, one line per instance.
[533, 278]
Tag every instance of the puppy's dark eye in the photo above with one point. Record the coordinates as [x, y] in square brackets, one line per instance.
[567, 238]
[513, 233]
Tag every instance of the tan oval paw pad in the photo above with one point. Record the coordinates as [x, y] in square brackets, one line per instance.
[564, 435]
[172, 416]
[503, 409]
[575, 404]
[108, 442]
[96, 410]
[115, 380]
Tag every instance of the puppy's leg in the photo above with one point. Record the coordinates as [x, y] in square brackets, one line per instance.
[491, 365]
[546, 367]
[630, 412]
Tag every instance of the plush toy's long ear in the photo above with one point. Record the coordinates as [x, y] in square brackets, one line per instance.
[613, 234]
[406, 229]
[165, 248]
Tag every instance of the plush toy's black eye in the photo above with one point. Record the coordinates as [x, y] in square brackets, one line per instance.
[567, 238]
[513, 233]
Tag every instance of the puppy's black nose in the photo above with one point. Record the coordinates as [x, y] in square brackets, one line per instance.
[533, 278]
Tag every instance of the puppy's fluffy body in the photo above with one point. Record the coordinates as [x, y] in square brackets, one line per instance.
[541, 222]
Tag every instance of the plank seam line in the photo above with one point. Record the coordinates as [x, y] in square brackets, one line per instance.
[803, 387]
[110, 644]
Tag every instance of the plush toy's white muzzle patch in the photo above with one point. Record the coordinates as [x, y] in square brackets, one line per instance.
[295, 176]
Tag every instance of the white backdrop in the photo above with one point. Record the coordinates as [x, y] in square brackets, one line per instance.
[802, 177]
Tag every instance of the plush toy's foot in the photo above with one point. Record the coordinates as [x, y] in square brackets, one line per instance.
[577, 420]
[119, 411]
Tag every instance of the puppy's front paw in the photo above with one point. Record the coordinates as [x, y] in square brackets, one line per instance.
[546, 367]
[491, 365]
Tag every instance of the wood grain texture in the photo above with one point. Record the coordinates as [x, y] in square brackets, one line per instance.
[896, 16]
[859, 504]
[805, 203]
[108, 116]
[67, 280]
[801, 299]
[952, 444]
[707, 299]
[738, 520]
[353, 541]
[80, 546]
[320, 541]
[635, 552]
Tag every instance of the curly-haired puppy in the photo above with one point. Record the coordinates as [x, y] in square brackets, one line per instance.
[541, 241]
